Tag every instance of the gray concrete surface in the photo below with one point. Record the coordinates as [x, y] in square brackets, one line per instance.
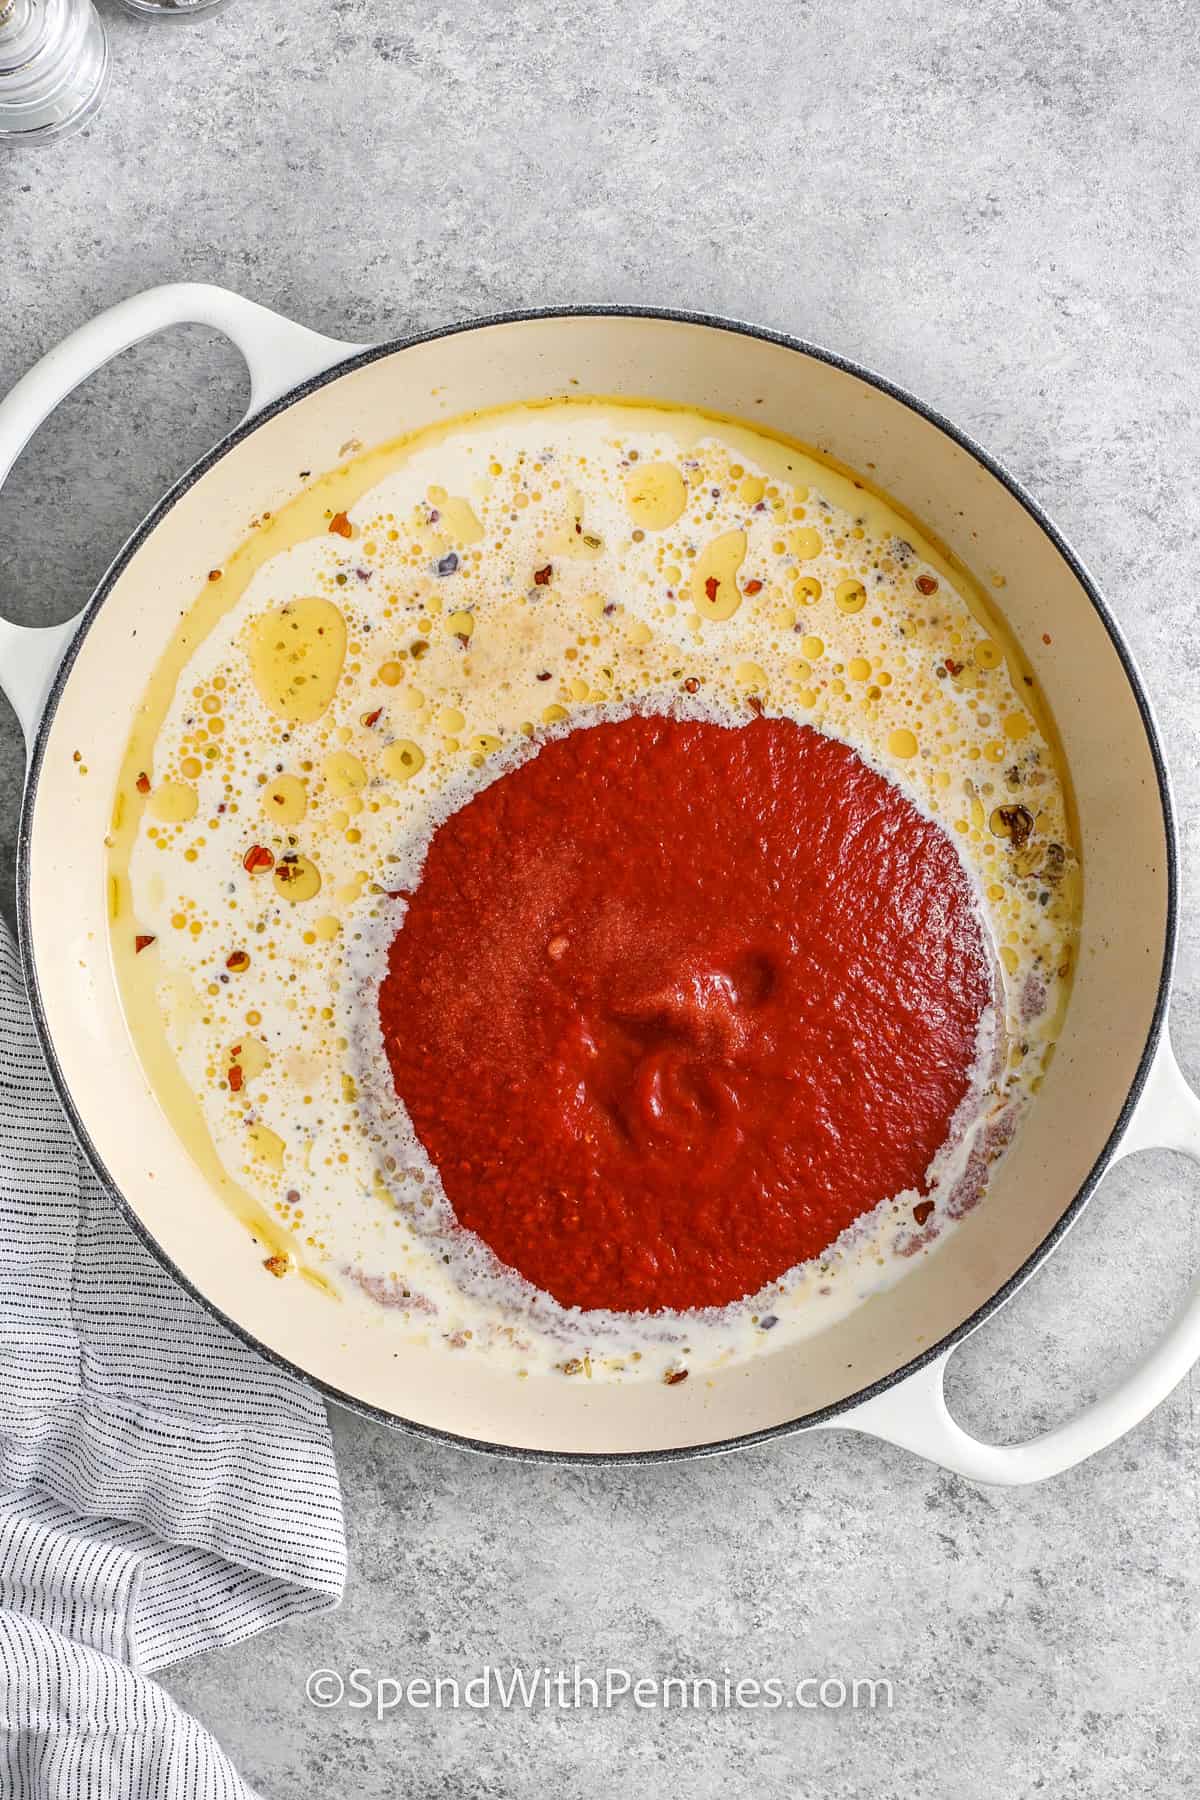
[994, 201]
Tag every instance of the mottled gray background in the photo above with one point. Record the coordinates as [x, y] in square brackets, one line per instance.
[994, 202]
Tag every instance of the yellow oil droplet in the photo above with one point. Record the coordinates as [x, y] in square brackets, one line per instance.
[266, 1145]
[296, 657]
[902, 742]
[458, 624]
[403, 759]
[1016, 727]
[813, 647]
[807, 589]
[751, 490]
[799, 670]
[656, 495]
[994, 751]
[485, 743]
[1008, 957]
[174, 802]
[343, 772]
[783, 618]
[995, 893]
[191, 766]
[552, 714]
[750, 675]
[297, 878]
[413, 700]
[391, 674]
[450, 719]
[251, 1056]
[714, 588]
[807, 697]
[458, 521]
[858, 668]
[850, 596]
[579, 688]
[988, 655]
[805, 543]
[285, 799]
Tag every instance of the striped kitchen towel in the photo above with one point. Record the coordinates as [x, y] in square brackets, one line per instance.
[162, 1489]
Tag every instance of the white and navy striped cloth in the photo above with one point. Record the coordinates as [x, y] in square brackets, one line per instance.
[162, 1489]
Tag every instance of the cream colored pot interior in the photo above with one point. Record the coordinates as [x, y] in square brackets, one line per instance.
[1125, 861]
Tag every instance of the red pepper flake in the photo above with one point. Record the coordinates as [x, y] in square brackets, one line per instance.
[237, 962]
[235, 1078]
[142, 784]
[952, 667]
[927, 584]
[341, 525]
[755, 705]
[1046, 638]
[557, 948]
[276, 1265]
[257, 858]
[922, 1210]
[143, 941]
[214, 574]
[673, 1377]
[543, 675]
[754, 587]
[711, 586]
[372, 718]
[691, 685]
[542, 576]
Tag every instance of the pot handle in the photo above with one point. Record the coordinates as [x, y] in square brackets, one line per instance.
[913, 1414]
[278, 354]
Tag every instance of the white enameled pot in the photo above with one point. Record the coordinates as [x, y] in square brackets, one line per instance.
[1113, 1087]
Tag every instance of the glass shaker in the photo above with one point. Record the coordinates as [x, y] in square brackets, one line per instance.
[171, 9]
[53, 68]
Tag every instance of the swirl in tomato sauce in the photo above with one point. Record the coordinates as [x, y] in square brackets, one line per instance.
[674, 1003]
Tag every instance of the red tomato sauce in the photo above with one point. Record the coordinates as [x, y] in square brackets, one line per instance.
[673, 1004]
